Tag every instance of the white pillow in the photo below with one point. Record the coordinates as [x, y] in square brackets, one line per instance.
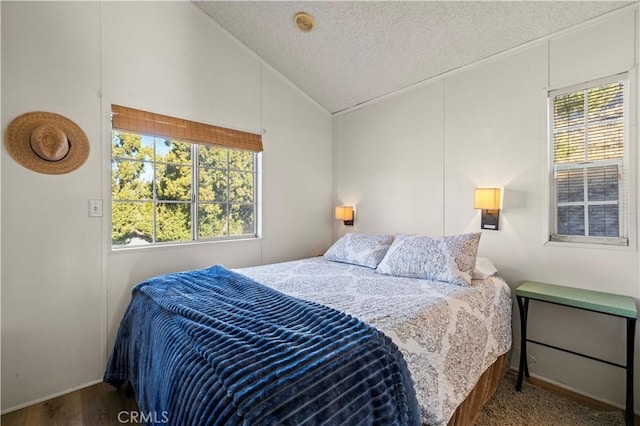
[484, 269]
[450, 258]
[359, 249]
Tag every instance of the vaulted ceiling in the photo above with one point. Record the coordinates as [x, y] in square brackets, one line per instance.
[361, 50]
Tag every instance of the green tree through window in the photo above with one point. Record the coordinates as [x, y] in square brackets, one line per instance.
[171, 191]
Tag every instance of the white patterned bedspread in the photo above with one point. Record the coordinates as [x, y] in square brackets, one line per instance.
[448, 334]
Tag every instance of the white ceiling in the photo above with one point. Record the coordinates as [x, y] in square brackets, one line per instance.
[362, 50]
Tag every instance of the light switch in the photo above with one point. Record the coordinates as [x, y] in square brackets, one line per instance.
[95, 208]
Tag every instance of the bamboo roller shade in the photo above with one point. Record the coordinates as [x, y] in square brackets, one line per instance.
[135, 120]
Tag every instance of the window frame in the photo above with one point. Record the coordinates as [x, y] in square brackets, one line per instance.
[625, 198]
[194, 203]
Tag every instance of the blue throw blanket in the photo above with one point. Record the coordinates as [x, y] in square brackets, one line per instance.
[211, 347]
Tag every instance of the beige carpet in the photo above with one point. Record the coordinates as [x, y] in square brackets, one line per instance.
[538, 407]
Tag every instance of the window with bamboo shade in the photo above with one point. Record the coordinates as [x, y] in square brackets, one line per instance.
[175, 180]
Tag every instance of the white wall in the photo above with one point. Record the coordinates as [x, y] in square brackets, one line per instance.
[1, 155]
[388, 163]
[487, 126]
[63, 290]
[51, 252]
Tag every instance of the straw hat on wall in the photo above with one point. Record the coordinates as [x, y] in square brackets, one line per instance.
[46, 142]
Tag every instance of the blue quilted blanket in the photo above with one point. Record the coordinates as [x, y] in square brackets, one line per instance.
[211, 347]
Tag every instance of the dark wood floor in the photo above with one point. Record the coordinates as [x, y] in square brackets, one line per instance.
[99, 404]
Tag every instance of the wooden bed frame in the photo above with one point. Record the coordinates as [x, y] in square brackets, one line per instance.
[469, 410]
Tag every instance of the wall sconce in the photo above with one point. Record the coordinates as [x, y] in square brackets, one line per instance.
[488, 199]
[345, 213]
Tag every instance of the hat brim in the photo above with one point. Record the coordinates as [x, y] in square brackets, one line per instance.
[18, 142]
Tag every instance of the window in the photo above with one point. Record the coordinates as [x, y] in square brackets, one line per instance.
[167, 190]
[590, 163]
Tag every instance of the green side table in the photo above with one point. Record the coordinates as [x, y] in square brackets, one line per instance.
[594, 301]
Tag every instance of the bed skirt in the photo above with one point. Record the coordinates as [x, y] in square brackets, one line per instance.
[468, 412]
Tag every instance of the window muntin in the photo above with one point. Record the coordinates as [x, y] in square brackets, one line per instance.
[167, 191]
[590, 163]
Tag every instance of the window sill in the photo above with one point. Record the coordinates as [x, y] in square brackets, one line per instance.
[180, 245]
[592, 246]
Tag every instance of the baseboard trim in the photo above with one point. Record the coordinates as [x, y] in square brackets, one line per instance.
[46, 398]
[573, 394]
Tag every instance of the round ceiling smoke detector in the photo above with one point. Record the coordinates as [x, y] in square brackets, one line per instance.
[304, 21]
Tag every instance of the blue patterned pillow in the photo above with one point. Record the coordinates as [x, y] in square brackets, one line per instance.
[450, 259]
[359, 249]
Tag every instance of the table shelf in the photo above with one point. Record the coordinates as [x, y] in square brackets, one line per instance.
[594, 301]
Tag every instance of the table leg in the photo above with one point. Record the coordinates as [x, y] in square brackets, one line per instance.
[526, 318]
[523, 307]
[631, 335]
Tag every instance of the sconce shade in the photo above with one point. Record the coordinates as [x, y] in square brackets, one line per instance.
[487, 199]
[345, 213]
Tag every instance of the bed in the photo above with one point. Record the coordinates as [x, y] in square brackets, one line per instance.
[453, 338]
[449, 335]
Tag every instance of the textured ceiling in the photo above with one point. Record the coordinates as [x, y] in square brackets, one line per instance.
[363, 50]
